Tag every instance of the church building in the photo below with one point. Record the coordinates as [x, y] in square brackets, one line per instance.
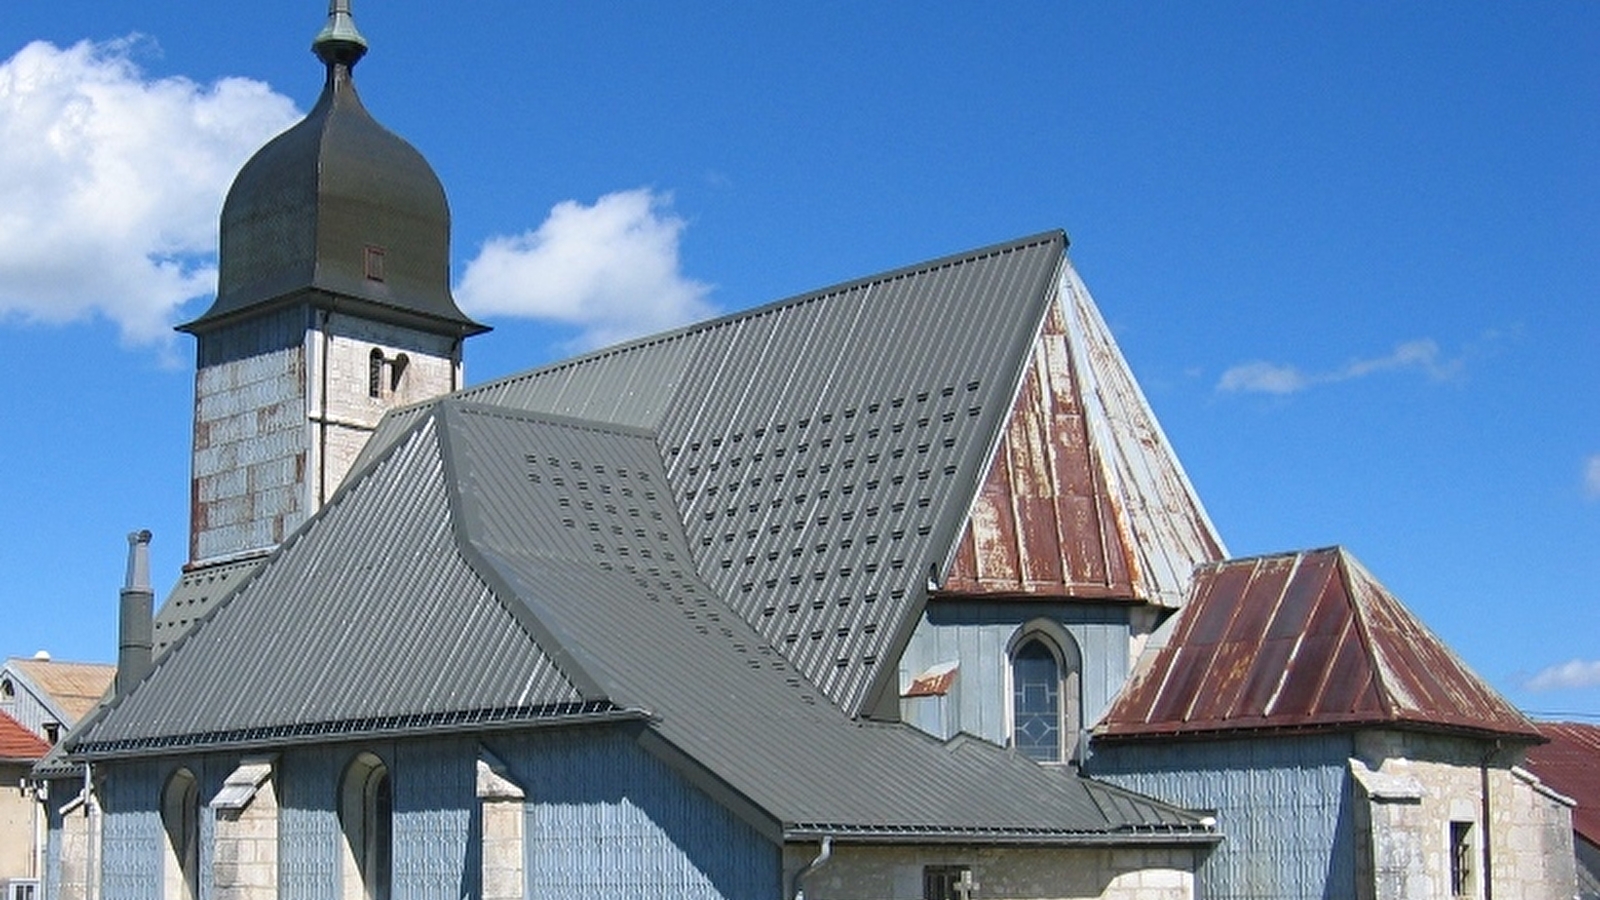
[894, 589]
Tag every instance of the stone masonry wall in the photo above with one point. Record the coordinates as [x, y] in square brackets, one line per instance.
[1033, 873]
[283, 406]
[1432, 781]
[247, 848]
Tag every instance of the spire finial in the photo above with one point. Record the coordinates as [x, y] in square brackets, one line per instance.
[339, 42]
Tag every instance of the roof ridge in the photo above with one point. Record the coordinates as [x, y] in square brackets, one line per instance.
[770, 307]
[577, 665]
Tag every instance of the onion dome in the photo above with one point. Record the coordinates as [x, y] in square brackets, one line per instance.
[338, 212]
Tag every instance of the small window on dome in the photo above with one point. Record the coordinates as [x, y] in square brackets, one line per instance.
[374, 263]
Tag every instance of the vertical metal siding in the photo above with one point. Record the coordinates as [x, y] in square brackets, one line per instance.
[308, 823]
[1283, 804]
[606, 820]
[434, 799]
[132, 850]
[977, 632]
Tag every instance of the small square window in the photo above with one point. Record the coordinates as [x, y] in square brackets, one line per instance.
[373, 263]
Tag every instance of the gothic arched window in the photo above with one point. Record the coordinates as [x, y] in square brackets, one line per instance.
[366, 815]
[180, 818]
[1046, 706]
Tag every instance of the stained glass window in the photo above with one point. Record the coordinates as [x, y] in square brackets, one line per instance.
[1036, 702]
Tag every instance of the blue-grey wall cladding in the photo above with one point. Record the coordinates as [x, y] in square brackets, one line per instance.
[133, 846]
[131, 840]
[977, 632]
[435, 819]
[606, 819]
[1284, 807]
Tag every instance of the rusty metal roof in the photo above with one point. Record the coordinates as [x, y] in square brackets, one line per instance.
[1085, 497]
[1569, 763]
[1304, 640]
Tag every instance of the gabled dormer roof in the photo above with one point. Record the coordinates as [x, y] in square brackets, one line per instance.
[1306, 640]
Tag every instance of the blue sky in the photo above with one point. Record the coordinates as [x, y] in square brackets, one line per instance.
[1348, 249]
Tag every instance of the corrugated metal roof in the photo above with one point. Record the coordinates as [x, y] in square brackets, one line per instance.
[1084, 497]
[1570, 764]
[343, 628]
[73, 686]
[193, 596]
[1303, 640]
[578, 520]
[727, 529]
[18, 744]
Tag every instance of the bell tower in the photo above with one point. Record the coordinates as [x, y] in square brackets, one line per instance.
[333, 306]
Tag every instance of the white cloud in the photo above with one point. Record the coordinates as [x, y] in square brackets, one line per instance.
[113, 183]
[610, 269]
[1591, 477]
[1262, 378]
[1576, 673]
[1277, 378]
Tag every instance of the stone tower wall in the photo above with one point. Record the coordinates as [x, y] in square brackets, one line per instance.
[283, 405]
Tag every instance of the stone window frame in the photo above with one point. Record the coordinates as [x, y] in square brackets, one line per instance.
[1068, 657]
[366, 821]
[180, 825]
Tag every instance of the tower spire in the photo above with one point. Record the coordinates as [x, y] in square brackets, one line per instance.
[339, 43]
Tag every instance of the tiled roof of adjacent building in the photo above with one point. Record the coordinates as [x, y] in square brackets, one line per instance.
[722, 535]
[1303, 640]
[1570, 764]
[18, 744]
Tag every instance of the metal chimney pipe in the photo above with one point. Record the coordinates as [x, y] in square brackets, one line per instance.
[136, 626]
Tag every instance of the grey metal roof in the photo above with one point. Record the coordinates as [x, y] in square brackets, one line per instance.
[724, 531]
[307, 211]
[195, 593]
[543, 554]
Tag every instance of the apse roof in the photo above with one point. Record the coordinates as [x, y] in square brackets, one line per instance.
[722, 534]
[1303, 640]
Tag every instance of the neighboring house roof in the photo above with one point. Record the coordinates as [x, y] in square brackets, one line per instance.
[1303, 640]
[721, 536]
[1570, 764]
[73, 687]
[18, 744]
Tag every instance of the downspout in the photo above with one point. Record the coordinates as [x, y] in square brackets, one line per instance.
[815, 864]
[1488, 834]
[91, 868]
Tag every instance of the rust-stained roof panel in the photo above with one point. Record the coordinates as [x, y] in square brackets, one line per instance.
[1568, 764]
[1304, 640]
[1083, 496]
